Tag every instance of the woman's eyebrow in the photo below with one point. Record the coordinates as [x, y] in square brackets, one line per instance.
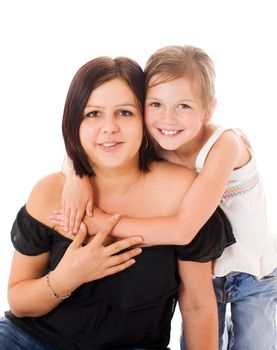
[119, 105]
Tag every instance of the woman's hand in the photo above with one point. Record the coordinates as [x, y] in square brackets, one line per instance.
[77, 200]
[86, 263]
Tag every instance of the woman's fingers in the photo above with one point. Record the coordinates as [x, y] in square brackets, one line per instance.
[101, 235]
[80, 237]
[118, 268]
[123, 244]
[123, 257]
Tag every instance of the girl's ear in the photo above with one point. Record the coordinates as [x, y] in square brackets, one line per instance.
[210, 111]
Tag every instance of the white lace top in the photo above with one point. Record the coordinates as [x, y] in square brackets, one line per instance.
[244, 204]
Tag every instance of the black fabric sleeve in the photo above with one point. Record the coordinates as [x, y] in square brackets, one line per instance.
[29, 236]
[211, 240]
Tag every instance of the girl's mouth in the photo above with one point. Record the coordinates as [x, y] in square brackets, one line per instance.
[169, 132]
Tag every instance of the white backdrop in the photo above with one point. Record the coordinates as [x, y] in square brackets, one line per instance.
[44, 43]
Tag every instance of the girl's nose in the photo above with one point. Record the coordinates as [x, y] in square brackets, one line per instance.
[169, 116]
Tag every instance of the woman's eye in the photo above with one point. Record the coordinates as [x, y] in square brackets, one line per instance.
[124, 113]
[155, 104]
[183, 106]
[93, 114]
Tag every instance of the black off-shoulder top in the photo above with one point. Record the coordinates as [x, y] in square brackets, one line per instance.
[131, 309]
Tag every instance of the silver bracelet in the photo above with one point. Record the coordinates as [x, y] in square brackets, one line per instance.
[54, 294]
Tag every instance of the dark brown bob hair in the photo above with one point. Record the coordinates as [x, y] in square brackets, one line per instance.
[89, 77]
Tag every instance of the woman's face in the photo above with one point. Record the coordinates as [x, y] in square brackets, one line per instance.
[111, 130]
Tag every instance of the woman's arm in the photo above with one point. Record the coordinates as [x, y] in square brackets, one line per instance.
[29, 292]
[198, 306]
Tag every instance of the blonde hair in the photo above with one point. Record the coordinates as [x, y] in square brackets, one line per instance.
[173, 62]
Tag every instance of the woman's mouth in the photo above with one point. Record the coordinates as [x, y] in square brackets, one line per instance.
[110, 146]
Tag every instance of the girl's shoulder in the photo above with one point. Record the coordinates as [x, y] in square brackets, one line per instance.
[45, 197]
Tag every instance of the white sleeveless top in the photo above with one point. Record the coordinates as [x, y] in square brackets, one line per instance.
[244, 204]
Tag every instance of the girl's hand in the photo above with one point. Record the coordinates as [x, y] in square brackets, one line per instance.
[94, 223]
[85, 263]
[77, 200]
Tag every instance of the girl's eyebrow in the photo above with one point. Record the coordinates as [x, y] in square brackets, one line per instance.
[180, 100]
[152, 98]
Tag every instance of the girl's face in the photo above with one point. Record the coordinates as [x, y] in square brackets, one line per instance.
[111, 131]
[174, 112]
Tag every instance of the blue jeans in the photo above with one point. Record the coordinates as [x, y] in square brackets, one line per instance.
[253, 311]
[13, 338]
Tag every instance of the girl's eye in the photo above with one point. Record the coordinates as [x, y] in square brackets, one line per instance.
[183, 106]
[155, 104]
[124, 113]
[93, 114]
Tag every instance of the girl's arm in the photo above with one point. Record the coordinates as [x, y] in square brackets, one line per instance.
[198, 306]
[199, 202]
[77, 198]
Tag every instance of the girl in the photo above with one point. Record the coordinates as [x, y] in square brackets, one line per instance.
[179, 105]
[60, 292]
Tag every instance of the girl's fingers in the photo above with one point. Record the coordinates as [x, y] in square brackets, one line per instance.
[72, 217]
[57, 217]
[66, 219]
[57, 212]
[78, 219]
[101, 235]
[80, 237]
[89, 207]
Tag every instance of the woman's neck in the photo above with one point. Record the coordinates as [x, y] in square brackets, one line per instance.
[116, 182]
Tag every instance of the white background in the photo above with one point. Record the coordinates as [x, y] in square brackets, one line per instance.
[43, 43]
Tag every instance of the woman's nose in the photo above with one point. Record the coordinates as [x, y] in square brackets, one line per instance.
[110, 125]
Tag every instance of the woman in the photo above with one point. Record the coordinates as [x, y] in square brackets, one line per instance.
[64, 294]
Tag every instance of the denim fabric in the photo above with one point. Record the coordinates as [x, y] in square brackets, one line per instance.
[13, 338]
[253, 311]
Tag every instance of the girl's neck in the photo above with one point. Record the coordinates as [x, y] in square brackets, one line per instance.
[186, 154]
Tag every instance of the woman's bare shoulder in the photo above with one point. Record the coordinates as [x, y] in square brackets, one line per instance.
[45, 197]
[172, 171]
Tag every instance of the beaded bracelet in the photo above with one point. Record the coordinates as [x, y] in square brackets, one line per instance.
[54, 294]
